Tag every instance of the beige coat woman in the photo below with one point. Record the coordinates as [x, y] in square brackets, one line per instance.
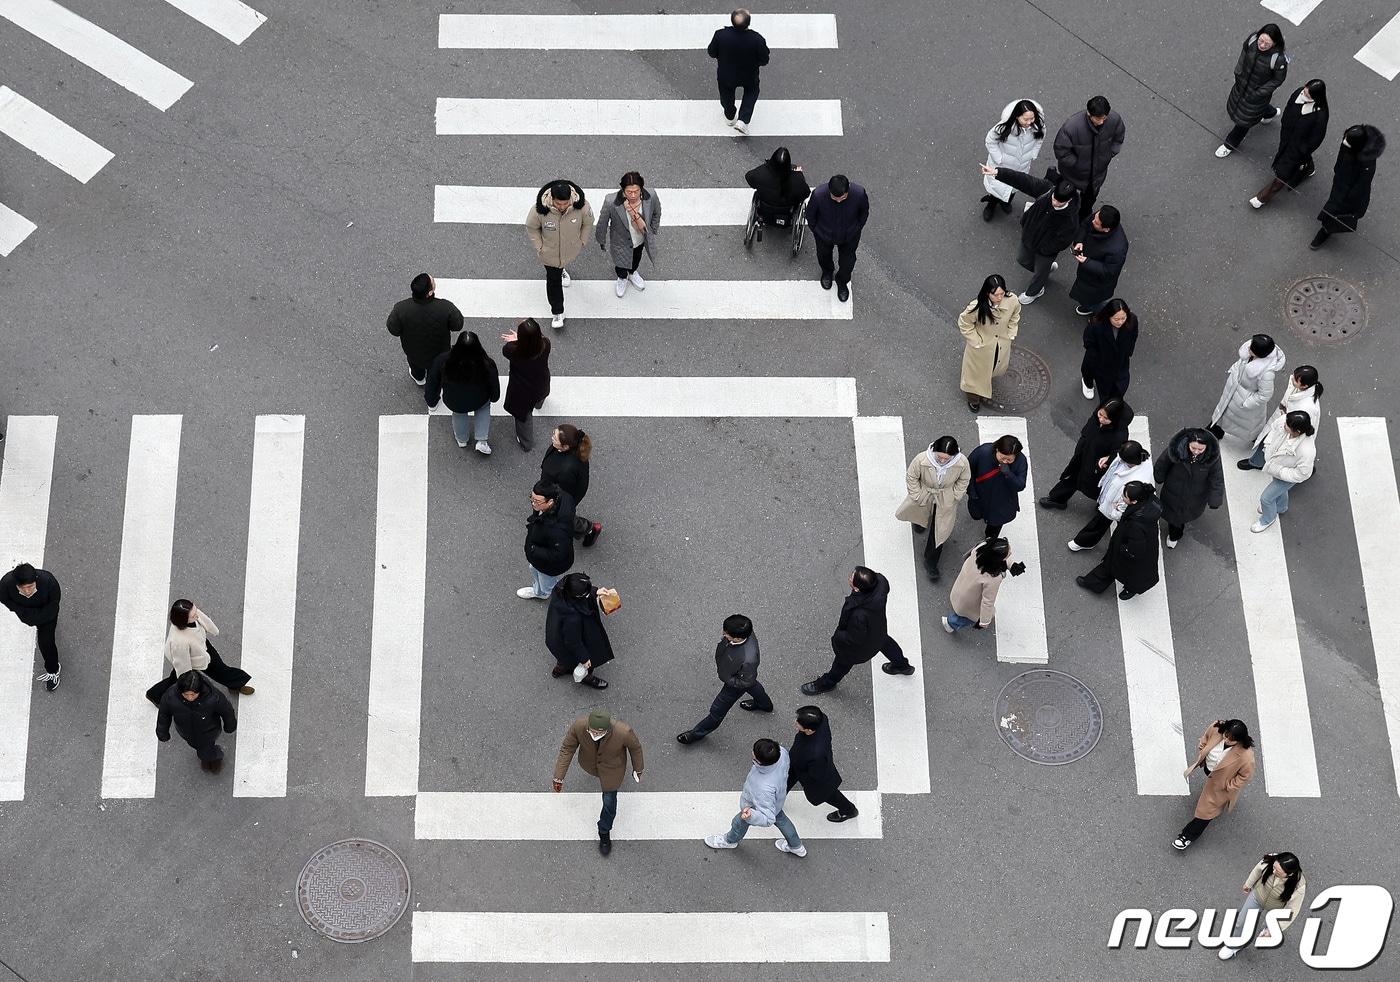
[932, 501]
[1222, 787]
[987, 347]
[974, 592]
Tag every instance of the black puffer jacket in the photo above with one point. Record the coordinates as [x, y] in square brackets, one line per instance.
[199, 722]
[1105, 254]
[1298, 139]
[1082, 153]
[811, 764]
[1257, 74]
[1189, 486]
[1045, 231]
[564, 468]
[1134, 547]
[862, 628]
[573, 629]
[549, 537]
[1351, 183]
[1094, 442]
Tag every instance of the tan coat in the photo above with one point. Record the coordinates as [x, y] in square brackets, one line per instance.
[974, 592]
[987, 347]
[1223, 786]
[607, 759]
[931, 502]
[557, 238]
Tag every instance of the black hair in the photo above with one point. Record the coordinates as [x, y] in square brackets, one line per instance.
[1109, 217]
[865, 579]
[810, 717]
[945, 444]
[1299, 422]
[991, 556]
[530, 342]
[1317, 88]
[839, 184]
[1114, 408]
[1292, 870]
[738, 626]
[1276, 35]
[180, 613]
[25, 574]
[1098, 106]
[1112, 307]
[1235, 731]
[1131, 452]
[1007, 444]
[561, 191]
[546, 489]
[421, 286]
[192, 681]
[1009, 124]
[765, 751]
[577, 585]
[1139, 491]
[984, 306]
[467, 359]
[781, 159]
[1306, 376]
[1261, 346]
[630, 178]
[740, 18]
[1064, 191]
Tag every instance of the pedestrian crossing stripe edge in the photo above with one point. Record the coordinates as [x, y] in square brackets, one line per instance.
[624, 32]
[662, 300]
[632, 117]
[681, 207]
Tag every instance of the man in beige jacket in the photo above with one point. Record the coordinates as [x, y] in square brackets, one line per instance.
[603, 745]
[558, 224]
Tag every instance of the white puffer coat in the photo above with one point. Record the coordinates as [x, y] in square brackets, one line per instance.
[1018, 152]
[1286, 456]
[1295, 400]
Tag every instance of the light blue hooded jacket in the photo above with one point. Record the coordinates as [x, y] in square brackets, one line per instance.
[765, 789]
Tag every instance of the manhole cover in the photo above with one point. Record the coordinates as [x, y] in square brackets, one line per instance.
[1025, 384]
[1048, 717]
[353, 890]
[1323, 308]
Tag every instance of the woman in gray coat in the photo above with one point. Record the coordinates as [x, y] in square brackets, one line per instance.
[1249, 385]
[633, 216]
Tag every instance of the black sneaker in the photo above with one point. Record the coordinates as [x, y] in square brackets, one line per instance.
[50, 679]
[605, 842]
[889, 668]
[815, 688]
[591, 536]
[839, 816]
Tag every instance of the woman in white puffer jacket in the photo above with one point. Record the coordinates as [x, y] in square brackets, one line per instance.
[1013, 143]
[1304, 392]
[1289, 455]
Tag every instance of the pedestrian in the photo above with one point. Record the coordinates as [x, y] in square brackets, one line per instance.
[736, 662]
[526, 351]
[780, 183]
[1132, 557]
[1099, 439]
[739, 53]
[549, 539]
[1249, 385]
[936, 481]
[1191, 478]
[633, 217]
[1303, 392]
[188, 648]
[574, 631]
[1013, 143]
[1109, 339]
[465, 378]
[1130, 463]
[1351, 182]
[973, 599]
[1101, 249]
[557, 226]
[603, 745]
[566, 464]
[33, 596]
[1261, 67]
[424, 325]
[1275, 883]
[1048, 226]
[1302, 131]
[1287, 454]
[999, 473]
[1225, 754]
[836, 214]
[201, 712]
[812, 765]
[1085, 145]
[988, 326]
[861, 633]
[761, 801]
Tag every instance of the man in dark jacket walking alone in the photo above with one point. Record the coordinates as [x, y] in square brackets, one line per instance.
[740, 52]
[549, 539]
[424, 325]
[1132, 549]
[1085, 145]
[736, 662]
[1101, 251]
[33, 595]
[861, 633]
[812, 765]
[836, 214]
[200, 712]
[1048, 226]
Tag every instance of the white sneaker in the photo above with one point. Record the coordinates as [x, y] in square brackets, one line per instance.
[1261, 526]
[799, 852]
[742, 127]
[483, 448]
[568, 280]
[1027, 298]
[528, 593]
[1226, 953]
[729, 122]
[1223, 151]
[557, 322]
[461, 444]
[1172, 543]
[416, 379]
[1075, 546]
[1271, 119]
[720, 842]
[637, 280]
[1027, 206]
[1088, 390]
[621, 287]
[948, 627]
[1253, 203]
[50, 679]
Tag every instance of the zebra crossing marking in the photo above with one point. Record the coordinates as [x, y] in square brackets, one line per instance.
[1020, 619]
[623, 32]
[14, 229]
[631, 117]
[1381, 54]
[1293, 11]
[233, 19]
[45, 134]
[681, 207]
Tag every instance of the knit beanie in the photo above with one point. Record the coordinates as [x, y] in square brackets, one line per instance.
[600, 719]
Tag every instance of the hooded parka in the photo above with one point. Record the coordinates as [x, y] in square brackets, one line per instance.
[811, 764]
[1351, 184]
[559, 238]
[862, 629]
[1189, 485]
[198, 723]
[1249, 385]
[1017, 152]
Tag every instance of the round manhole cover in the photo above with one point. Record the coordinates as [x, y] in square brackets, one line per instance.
[353, 890]
[1048, 717]
[1324, 308]
[1025, 384]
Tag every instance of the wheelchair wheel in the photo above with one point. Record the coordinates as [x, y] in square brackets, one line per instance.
[751, 226]
[799, 229]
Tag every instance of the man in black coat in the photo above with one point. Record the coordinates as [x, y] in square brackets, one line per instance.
[1132, 549]
[33, 595]
[1098, 443]
[549, 539]
[1048, 226]
[811, 764]
[736, 663]
[836, 214]
[1100, 249]
[574, 632]
[861, 633]
[1085, 145]
[424, 325]
[200, 712]
[740, 53]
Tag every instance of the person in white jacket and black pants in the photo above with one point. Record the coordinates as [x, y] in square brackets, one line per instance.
[1288, 457]
[1133, 463]
[187, 648]
[1013, 143]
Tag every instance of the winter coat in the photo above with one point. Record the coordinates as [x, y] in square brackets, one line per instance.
[974, 592]
[1249, 385]
[1082, 153]
[994, 494]
[574, 631]
[1108, 352]
[1045, 229]
[549, 537]
[1299, 136]
[564, 468]
[1287, 457]
[862, 628]
[811, 764]
[188, 648]
[614, 218]
[1097, 276]
[38, 609]
[838, 221]
[1095, 442]
[769, 184]
[931, 502]
[424, 328]
[198, 723]
[1134, 547]
[1222, 787]
[1351, 184]
[1017, 152]
[765, 789]
[1268, 891]
[737, 664]
[558, 238]
[1118, 475]
[1257, 74]
[528, 383]
[461, 395]
[605, 759]
[1189, 486]
[1295, 400]
[740, 52]
[987, 347]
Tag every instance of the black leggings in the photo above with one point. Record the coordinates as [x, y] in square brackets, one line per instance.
[229, 677]
[636, 261]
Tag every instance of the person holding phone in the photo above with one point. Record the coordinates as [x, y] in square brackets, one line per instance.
[1100, 250]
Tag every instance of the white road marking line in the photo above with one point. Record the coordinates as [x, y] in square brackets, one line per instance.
[233, 19]
[14, 229]
[1020, 619]
[104, 53]
[400, 587]
[1381, 54]
[646, 938]
[680, 207]
[269, 606]
[143, 604]
[624, 32]
[1293, 11]
[631, 117]
[25, 482]
[662, 300]
[50, 137]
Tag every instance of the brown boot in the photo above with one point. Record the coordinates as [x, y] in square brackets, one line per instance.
[246, 690]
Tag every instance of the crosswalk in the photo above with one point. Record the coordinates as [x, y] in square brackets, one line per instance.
[622, 32]
[1381, 53]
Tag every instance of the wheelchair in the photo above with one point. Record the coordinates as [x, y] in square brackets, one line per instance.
[762, 216]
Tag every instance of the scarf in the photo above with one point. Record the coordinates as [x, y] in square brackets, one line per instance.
[942, 470]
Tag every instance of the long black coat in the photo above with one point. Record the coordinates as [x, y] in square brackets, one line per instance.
[1351, 184]
[1189, 486]
[1257, 74]
[1298, 139]
[566, 470]
[549, 537]
[1105, 253]
[198, 722]
[528, 384]
[1094, 442]
[862, 629]
[994, 494]
[1107, 354]
[740, 53]
[573, 630]
[811, 764]
[1134, 546]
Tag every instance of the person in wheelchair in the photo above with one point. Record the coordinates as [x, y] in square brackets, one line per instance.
[780, 185]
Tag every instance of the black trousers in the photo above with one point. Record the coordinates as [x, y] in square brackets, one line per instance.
[992, 531]
[554, 288]
[724, 702]
[1175, 532]
[932, 553]
[1237, 134]
[1087, 197]
[636, 261]
[229, 677]
[1063, 490]
[48, 645]
[1091, 533]
[839, 801]
[726, 100]
[840, 271]
[1192, 830]
[890, 648]
[1099, 578]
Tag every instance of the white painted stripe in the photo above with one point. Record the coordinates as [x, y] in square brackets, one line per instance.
[631, 117]
[14, 229]
[50, 137]
[644, 938]
[1381, 54]
[1285, 724]
[901, 723]
[270, 606]
[680, 207]
[1020, 620]
[624, 32]
[543, 816]
[1375, 511]
[1293, 11]
[143, 602]
[669, 398]
[104, 53]
[233, 19]
[1149, 666]
[662, 300]
[25, 481]
[400, 587]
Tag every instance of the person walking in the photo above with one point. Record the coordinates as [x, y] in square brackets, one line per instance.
[1013, 143]
[526, 351]
[566, 464]
[424, 325]
[1302, 131]
[836, 214]
[604, 746]
[1085, 145]
[1109, 339]
[936, 481]
[200, 713]
[861, 633]
[999, 473]
[1102, 434]
[812, 765]
[465, 378]
[628, 226]
[973, 599]
[33, 595]
[1275, 883]
[574, 631]
[557, 226]
[1133, 551]
[1243, 406]
[1101, 251]
[1225, 754]
[549, 539]
[780, 183]
[1287, 454]
[188, 648]
[1130, 463]
[1261, 67]
[1048, 226]
[1302, 393]
[739, 52]
[988, 325]
[1352, 175]
[736, 662]
[761, 802]
[1191, 478]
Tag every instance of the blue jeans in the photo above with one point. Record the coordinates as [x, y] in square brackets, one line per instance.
[957, 621]
[740, 828]
[609, 812]
[1257, 458]
[544, 583]
[479, 419]
[1274, 500]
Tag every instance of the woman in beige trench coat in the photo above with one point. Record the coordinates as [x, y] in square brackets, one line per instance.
[1226, 753]
[937, 480]
[974, 595]
[988, 327]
